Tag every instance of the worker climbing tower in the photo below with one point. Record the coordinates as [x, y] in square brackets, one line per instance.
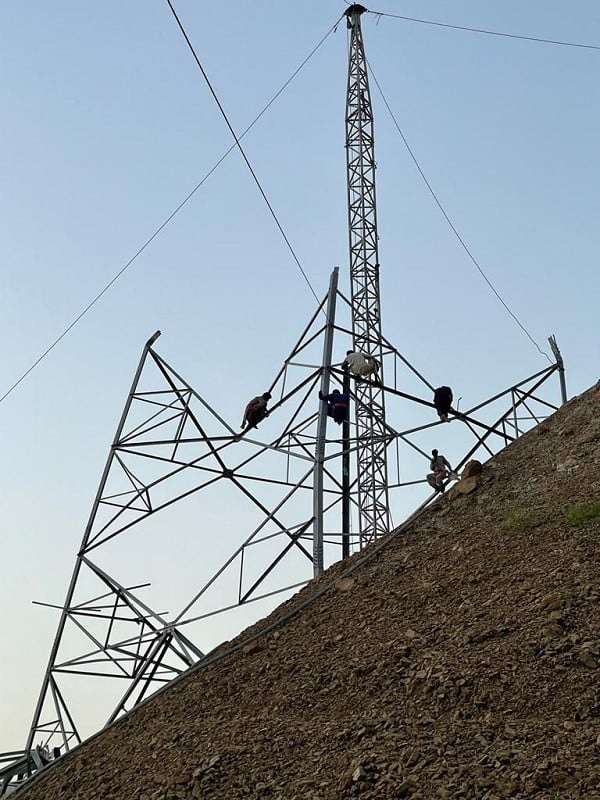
[364, 278]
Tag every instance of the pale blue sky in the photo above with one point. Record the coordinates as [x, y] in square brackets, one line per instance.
[108, 124]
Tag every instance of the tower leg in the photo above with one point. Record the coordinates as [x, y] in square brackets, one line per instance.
[346, 476]
[322, 428]
[46, 683]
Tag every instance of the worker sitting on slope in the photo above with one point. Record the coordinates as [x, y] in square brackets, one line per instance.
[440, 470]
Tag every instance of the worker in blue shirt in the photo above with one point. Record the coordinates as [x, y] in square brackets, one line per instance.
[337, 405]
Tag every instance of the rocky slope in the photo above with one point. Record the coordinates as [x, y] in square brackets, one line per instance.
[457, 659]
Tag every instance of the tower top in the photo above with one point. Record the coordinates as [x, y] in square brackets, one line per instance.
[355, 8]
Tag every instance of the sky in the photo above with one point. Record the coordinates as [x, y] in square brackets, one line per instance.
[108, 125]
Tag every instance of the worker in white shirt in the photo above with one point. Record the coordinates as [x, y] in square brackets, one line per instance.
[361, 365]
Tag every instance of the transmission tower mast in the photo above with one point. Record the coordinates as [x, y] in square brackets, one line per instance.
[371, 431]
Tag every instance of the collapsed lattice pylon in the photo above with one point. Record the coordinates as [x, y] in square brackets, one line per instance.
[171, 444]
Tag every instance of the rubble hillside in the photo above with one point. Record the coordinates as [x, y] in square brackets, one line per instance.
[458, 658]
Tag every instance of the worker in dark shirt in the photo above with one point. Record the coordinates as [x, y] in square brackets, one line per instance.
[442, 400]
[337, 405]
[256, 411]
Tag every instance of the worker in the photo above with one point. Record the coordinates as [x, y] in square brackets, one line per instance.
[361, 365]
[256, 411]
[442, 400]
[440, 470]
[337, 405]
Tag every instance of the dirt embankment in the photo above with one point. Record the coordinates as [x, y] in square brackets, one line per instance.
[462, 660]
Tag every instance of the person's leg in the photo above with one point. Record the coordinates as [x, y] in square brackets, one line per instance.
[254, 417]
[445, 410]
[374, 367]
[339, 413]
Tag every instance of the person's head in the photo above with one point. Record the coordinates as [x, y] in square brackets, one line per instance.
[434, 453]
[267, 396]
[336, 391]
[349, 352]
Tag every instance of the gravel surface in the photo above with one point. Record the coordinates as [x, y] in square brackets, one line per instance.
[457, 659]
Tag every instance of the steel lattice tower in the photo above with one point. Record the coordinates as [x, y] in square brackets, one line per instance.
[364, 279]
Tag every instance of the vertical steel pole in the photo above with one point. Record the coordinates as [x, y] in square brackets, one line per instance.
[346, 474]
[322, 428]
